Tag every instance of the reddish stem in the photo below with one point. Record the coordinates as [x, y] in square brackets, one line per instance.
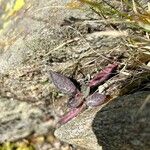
[103, 75]
[71, 114]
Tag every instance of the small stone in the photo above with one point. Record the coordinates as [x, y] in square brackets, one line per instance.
[57, 144]
[51, 138]
[65, 147]
[38, 140]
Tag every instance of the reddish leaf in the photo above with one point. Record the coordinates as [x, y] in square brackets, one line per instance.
[103, 75]
[63, 83]
[71, 114]
[96, 99]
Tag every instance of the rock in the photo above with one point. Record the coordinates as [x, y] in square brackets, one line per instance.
[35, 28]
[26, 45]
[38, 42]
[35, 40]
[21, 119]
[120, 124]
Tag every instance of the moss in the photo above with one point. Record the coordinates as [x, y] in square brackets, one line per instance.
[16, 146]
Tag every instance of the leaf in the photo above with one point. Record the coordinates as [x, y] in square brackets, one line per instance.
[103, 75]
[71, 114]
[63, 83]
[76, 100]
[96, 99]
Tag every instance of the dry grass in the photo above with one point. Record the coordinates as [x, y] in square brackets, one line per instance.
[132, 14]
[136, 18]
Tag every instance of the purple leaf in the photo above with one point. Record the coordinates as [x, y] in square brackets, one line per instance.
[96, 99]
[76, 101]
[63, 83]
[103, 75]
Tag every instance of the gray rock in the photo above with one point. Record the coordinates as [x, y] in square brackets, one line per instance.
[35, 41]
[33, 33]
[21, 119]
[121, 124]
[33, 30]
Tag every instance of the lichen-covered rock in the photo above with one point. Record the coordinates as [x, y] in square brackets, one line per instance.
[35, 39]
[33, 31]
[28, 38]
[21, 119]
[39, 40]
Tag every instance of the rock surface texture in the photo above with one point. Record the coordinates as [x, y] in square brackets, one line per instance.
[121, 124]
[45, 35]
[27, 52]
